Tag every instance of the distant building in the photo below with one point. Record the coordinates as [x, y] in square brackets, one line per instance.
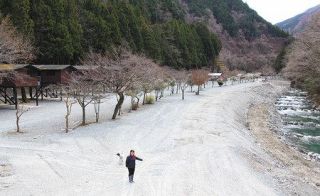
[52, 74]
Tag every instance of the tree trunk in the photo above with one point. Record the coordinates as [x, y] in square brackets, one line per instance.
[15, 96]
[23, 95]
[198, 91]
[144, 98]
[67, 122]
[37, 98]
[118, 106]
[157, 95]
[41, 91]
[17, 122]
[97, 117]
[83, 115]
[182, 94]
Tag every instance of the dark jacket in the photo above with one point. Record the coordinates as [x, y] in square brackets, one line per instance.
[131, 161]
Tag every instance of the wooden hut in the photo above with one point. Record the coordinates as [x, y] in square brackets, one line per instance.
[16, 77]
[53, 74]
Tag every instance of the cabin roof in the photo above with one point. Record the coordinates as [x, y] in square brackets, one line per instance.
[51, 67]
[11, 67]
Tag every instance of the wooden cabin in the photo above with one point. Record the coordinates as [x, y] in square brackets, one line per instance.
[36, 78]
[53, 74]
[16, 77]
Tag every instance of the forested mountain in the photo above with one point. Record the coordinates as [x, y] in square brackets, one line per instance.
[178, 33]
[298, 23]
[248, 41]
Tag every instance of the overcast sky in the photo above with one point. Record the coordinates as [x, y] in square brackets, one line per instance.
[276, 11]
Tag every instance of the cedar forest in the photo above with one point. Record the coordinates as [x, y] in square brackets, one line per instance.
[64, 31]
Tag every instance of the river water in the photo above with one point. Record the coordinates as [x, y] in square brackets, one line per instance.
[301, 121]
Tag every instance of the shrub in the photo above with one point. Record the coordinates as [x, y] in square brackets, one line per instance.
[150, 99]
[220, 82]
[134, 106]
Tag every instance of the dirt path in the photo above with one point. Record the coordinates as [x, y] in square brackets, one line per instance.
[200, 146]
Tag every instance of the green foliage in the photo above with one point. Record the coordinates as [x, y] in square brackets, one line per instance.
[276, 31]
[280, 61]
[20, 14]
[220, 82]
[220, 9]
[65, 30]
[57, 31]
[187, 46]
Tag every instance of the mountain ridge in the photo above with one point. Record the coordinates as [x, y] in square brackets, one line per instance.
[170, 32]
[297, 24]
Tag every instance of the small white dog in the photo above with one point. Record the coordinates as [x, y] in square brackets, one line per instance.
[120, 159]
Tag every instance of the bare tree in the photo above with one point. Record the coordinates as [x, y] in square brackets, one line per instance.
[21, 109]
[135, 94]
[83, 88]
[97, 103]
[159, 87]
[233, 79]
[151, 78]
[303, 59]
[190, 84]
[119, 72]
[199, 77]
[172, 84]
[69, 101]
[147, 87]
[14, 48]
[98, 94]
[182, 80]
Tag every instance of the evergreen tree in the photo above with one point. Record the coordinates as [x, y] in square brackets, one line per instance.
[19, 10]
[65, 30]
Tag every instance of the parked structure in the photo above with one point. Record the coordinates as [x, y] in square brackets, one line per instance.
[17, 78]
[38, 79]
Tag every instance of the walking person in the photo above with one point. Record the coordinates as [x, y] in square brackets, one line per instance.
[131, 164]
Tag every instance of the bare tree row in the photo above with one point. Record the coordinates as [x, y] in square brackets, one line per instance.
[123, 74]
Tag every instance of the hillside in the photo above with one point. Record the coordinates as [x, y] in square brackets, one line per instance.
[298, 23]
[302, 66]
[178, 33]
[248, 41]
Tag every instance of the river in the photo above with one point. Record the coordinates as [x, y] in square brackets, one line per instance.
[301, 121]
